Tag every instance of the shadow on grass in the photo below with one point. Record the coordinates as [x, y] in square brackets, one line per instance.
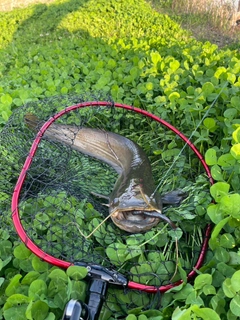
[44, 20]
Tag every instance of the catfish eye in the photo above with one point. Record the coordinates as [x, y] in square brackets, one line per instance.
[115, 202]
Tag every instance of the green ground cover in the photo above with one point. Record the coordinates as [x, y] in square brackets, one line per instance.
[137, 56]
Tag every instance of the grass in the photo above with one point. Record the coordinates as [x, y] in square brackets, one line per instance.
[215, 23]
[77, 46]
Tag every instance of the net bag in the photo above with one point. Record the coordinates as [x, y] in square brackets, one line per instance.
[59, 213]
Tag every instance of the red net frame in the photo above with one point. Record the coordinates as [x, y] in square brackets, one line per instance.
[63, 264]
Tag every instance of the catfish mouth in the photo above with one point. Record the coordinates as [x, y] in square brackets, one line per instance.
[134, 216]
[135, 221]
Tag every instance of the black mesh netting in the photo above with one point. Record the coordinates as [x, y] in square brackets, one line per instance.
[63, 217]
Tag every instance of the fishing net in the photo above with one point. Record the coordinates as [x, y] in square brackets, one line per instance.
[62, 215]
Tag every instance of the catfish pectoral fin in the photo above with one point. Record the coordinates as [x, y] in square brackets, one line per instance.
[98, 195]
[174, 197]
[101, 196]
[160, 216]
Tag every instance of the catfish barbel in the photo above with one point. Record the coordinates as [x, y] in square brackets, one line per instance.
[134, 206]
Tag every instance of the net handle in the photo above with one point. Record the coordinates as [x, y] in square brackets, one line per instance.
[63, 264]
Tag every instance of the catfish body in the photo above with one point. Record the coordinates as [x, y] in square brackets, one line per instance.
[134, 206]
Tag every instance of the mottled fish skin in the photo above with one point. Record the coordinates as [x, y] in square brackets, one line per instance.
[133, 204]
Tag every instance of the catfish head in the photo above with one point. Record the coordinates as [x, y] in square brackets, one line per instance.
[134, 210]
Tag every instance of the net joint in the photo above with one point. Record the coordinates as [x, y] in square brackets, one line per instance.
[110, 276]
